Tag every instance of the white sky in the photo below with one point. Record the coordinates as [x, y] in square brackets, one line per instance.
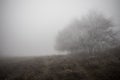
[30, 26]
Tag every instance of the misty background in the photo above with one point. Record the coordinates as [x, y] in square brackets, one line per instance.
[30, 27]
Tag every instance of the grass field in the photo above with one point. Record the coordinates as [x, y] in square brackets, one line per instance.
[62, 67]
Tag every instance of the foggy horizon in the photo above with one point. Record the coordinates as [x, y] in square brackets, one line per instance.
[30, 27]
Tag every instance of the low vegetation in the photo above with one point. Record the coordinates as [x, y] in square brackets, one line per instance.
[105, 66]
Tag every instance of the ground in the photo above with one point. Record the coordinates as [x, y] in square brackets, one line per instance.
[62, 67]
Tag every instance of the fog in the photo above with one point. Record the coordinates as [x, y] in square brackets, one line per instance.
[29, 27]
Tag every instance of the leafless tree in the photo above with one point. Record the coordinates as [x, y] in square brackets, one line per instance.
[93, 33]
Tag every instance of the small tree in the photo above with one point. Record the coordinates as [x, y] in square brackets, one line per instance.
[90, 34]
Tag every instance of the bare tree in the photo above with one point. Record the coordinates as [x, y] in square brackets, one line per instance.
[90, 34]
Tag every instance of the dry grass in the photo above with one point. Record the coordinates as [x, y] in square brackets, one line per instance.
[105, 66]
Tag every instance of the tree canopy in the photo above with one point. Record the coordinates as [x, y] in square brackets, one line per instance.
[90, 34]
